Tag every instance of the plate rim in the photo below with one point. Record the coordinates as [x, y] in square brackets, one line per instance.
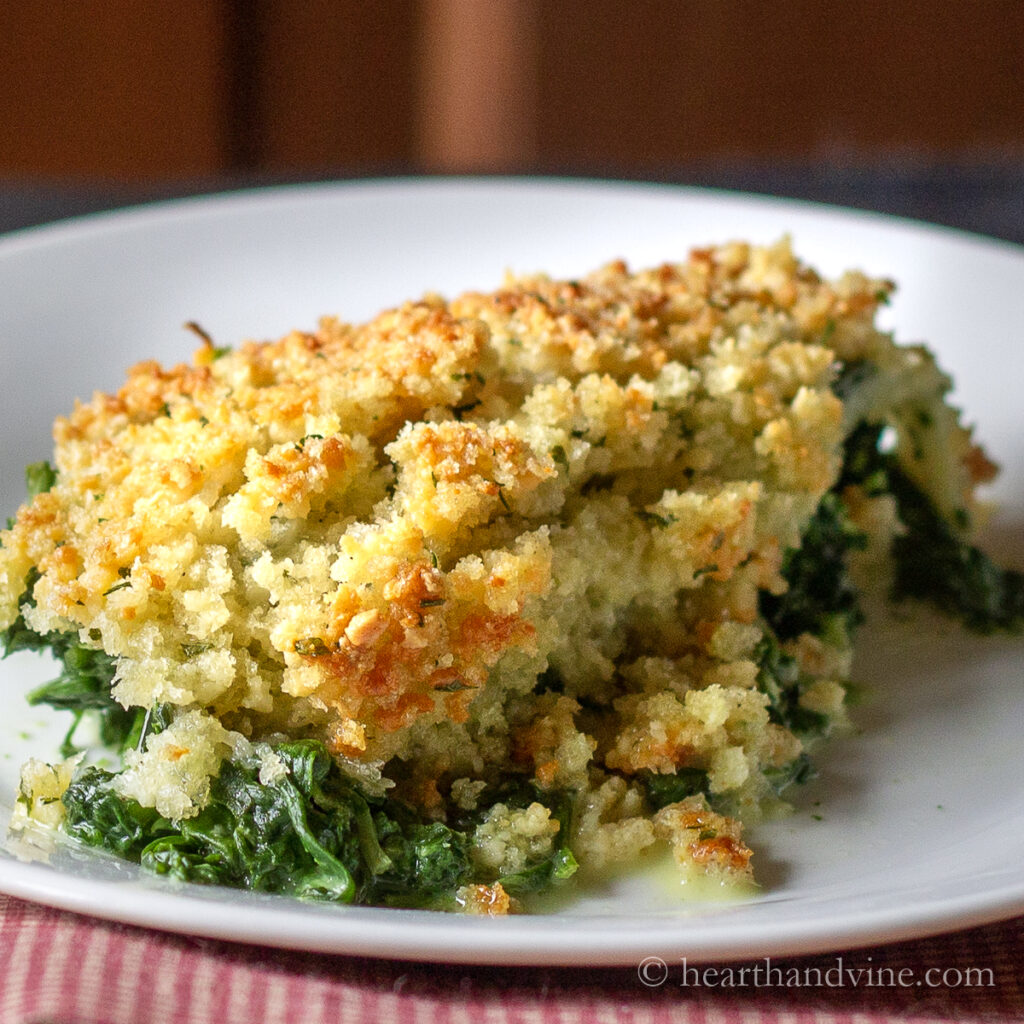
[136, 215]
[432, 937]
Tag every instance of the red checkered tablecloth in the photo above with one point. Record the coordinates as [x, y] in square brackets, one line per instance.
[61, 968]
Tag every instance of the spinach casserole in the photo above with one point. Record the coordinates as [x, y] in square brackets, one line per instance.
[489, 594]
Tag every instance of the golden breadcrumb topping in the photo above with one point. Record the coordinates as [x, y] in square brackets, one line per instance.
[520, 531]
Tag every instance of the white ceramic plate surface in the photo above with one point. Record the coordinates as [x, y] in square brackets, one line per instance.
[916, 823]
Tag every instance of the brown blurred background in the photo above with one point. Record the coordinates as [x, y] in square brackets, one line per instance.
[159, 96]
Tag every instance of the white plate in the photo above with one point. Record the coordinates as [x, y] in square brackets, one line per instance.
[917, 822]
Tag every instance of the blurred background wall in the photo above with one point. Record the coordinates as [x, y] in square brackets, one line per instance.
[148, 93]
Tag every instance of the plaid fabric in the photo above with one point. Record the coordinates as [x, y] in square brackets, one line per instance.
[61, 968]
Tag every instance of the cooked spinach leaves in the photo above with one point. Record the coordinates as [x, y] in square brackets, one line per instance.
[664, 789]
[933, 559]
[780, 678]
[821, 598]
[308, 833]
[39, 478]
[558, 865]
[83, 685]
[795, 773]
